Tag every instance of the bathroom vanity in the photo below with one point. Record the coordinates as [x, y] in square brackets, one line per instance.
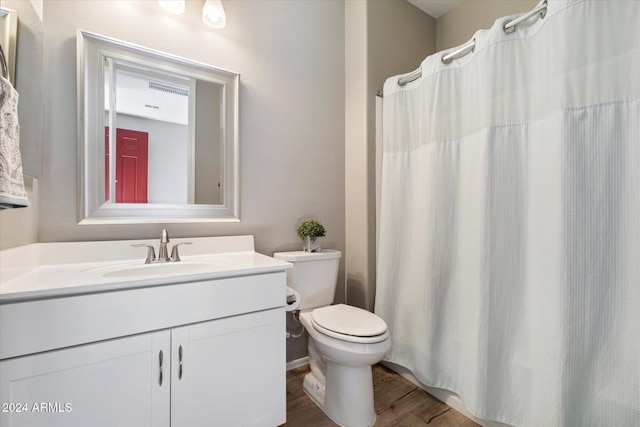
[117, 342]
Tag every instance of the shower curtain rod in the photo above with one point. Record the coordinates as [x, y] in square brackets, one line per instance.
[508, 27]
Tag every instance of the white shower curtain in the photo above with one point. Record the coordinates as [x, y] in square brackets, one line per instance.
[509, 242]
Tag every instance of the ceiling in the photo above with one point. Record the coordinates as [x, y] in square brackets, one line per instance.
[435, 8]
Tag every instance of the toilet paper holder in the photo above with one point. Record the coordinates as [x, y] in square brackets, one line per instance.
[292, 300]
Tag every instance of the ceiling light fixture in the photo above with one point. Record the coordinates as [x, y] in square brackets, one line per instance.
[172, 6]
[213, 14]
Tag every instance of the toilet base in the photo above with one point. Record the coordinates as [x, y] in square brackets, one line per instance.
[314, 389]
[349, 402]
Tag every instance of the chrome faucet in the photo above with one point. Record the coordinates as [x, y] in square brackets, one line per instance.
[163, 253]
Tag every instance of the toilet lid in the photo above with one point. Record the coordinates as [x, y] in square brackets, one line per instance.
[348, 320]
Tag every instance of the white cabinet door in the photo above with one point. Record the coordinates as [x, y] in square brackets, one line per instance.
[110, 383]
[230, 372]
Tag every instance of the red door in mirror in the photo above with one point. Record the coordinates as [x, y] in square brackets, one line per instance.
[132, 164]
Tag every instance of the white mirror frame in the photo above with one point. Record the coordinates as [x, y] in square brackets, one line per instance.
[92, 49]
[8, 39]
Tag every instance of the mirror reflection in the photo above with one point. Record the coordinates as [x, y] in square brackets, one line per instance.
[158, 138]
[154, 127]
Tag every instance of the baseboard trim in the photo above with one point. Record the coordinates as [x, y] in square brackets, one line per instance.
[297, 363]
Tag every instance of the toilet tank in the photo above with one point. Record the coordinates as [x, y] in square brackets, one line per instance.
[314, 275]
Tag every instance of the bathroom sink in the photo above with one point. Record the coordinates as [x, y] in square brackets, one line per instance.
[129, 270]
[162, 269]
[76, 268]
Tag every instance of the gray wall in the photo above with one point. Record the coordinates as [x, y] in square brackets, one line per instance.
[290, 55]
[306, 140]
[20, 226]
[398, 38]
[291, 59]
[383, 38]
[207, 161]
[457, 26]
[29, 80]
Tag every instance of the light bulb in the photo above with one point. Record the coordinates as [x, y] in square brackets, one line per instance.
[172, 6]
[213, 14]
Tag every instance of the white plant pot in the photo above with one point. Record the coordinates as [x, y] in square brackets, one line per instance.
[310, 245]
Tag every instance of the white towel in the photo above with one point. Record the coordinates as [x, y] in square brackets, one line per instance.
[12, 192]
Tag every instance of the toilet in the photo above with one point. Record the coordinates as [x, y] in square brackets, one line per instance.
[344, 341]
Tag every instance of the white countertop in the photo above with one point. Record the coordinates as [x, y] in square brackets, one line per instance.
[49, 270]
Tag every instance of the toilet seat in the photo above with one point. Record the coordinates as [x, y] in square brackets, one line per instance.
[349, 323]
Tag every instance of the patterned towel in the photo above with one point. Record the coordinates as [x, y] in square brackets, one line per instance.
[12, 192]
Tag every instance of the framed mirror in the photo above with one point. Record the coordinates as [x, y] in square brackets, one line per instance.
[157, 136]
[8, 38]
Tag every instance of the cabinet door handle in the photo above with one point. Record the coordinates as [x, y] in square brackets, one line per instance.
[180, 362]
[161, 357]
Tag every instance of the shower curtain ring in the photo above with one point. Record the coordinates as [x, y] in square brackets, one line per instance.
[510, 26]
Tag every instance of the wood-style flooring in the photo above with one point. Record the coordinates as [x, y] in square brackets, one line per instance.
[398, 402]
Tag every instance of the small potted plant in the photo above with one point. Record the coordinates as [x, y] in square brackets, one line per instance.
[309, 231]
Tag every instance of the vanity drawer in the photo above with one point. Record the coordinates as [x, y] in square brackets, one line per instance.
[36, 326]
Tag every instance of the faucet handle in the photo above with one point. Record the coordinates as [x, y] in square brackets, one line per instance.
[151, 252]
[175, 256]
